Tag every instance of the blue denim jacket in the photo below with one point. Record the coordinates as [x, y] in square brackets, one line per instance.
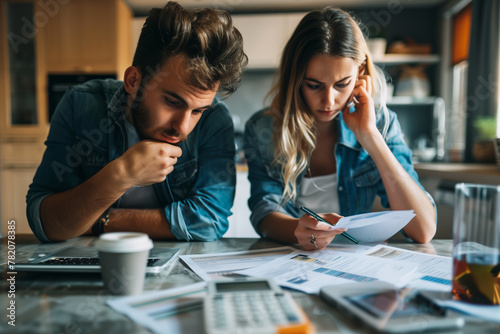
[88, 131]
[359, 180]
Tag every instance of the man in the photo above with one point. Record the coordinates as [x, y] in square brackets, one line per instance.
[154, 153]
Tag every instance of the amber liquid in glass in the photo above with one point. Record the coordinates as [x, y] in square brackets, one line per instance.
[476, 278]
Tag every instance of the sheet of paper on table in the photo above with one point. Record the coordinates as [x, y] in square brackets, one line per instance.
[485, 312]
[382, 262]
[309, 271]
[433, 271]
[225, 265]
[176, 310]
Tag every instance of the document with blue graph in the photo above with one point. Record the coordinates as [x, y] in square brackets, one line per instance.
[308, 271]
[433, 271]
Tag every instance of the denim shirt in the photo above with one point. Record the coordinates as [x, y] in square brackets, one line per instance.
[359, 180]
[88, 131]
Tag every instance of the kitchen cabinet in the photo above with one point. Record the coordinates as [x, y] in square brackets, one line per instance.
[23, 106]
[38, 38]
[92, 36]
[18, 164]
[265, 36]
[23, 102]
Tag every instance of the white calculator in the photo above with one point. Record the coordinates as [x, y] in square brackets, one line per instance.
[252, 306]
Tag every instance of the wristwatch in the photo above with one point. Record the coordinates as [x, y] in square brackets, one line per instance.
[98, 227]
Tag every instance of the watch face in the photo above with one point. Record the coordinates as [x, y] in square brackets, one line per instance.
[242, 286]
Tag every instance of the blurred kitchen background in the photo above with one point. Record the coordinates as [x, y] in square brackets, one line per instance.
[440, 57]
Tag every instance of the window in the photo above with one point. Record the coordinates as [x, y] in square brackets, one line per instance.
[459, 105]
[459, 62]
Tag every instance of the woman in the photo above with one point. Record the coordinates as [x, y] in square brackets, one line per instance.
[328, 142]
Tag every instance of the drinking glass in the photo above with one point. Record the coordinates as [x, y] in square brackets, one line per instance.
[476, 244]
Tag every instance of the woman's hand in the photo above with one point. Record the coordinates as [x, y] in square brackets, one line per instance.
[309, 229]
[362, 121]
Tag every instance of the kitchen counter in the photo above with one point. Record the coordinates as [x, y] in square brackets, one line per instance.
[454, 172]
[460, 172]
[439, 180]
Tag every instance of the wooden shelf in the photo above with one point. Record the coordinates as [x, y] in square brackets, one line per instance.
[400, 59]
[460, 172]
[405, 100]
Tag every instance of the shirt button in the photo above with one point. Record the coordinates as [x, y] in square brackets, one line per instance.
[341, 188]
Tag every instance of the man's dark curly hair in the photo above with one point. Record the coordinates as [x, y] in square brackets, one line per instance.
[213, 46]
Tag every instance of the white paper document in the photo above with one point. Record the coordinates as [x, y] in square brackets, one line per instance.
[224, 265]
[309, 271]
[376, 226]
[350, 248]
[433, 272]
[166, 311]
[485, 312]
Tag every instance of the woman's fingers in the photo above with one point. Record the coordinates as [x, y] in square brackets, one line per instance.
[313, 234]
[365, 81]
[318, 239]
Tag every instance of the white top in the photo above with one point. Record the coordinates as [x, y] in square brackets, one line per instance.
[319, 194]
[138, 197]
[123, 242]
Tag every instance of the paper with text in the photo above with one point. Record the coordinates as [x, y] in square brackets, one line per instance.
[165, 311]
[224, 265]
[433, 271]
[309, 271]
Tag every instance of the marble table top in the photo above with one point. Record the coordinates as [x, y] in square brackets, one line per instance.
[75, 303]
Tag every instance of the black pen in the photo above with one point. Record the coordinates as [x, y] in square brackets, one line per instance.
[315, 216]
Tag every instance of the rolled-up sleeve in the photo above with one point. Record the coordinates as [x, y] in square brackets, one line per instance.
[57, 171]
[265, 190]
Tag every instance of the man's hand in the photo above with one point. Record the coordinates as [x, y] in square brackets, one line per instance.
[147, 162]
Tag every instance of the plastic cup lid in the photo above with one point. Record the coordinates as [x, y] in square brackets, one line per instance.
[123, 242]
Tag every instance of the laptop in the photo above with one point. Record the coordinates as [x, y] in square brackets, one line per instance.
[86, 260]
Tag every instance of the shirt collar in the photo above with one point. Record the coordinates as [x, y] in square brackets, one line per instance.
[346, 136]
[117, 105]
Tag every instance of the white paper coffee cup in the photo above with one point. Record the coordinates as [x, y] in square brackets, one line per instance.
[123, 257]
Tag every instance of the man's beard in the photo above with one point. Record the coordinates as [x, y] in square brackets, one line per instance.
[144, 125]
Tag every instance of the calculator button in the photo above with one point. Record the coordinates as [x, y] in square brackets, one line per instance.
[251, 312]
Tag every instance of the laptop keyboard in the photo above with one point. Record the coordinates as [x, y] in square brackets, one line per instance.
[81, 261]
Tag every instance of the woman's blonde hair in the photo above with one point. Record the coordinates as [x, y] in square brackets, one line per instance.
[331, 32]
